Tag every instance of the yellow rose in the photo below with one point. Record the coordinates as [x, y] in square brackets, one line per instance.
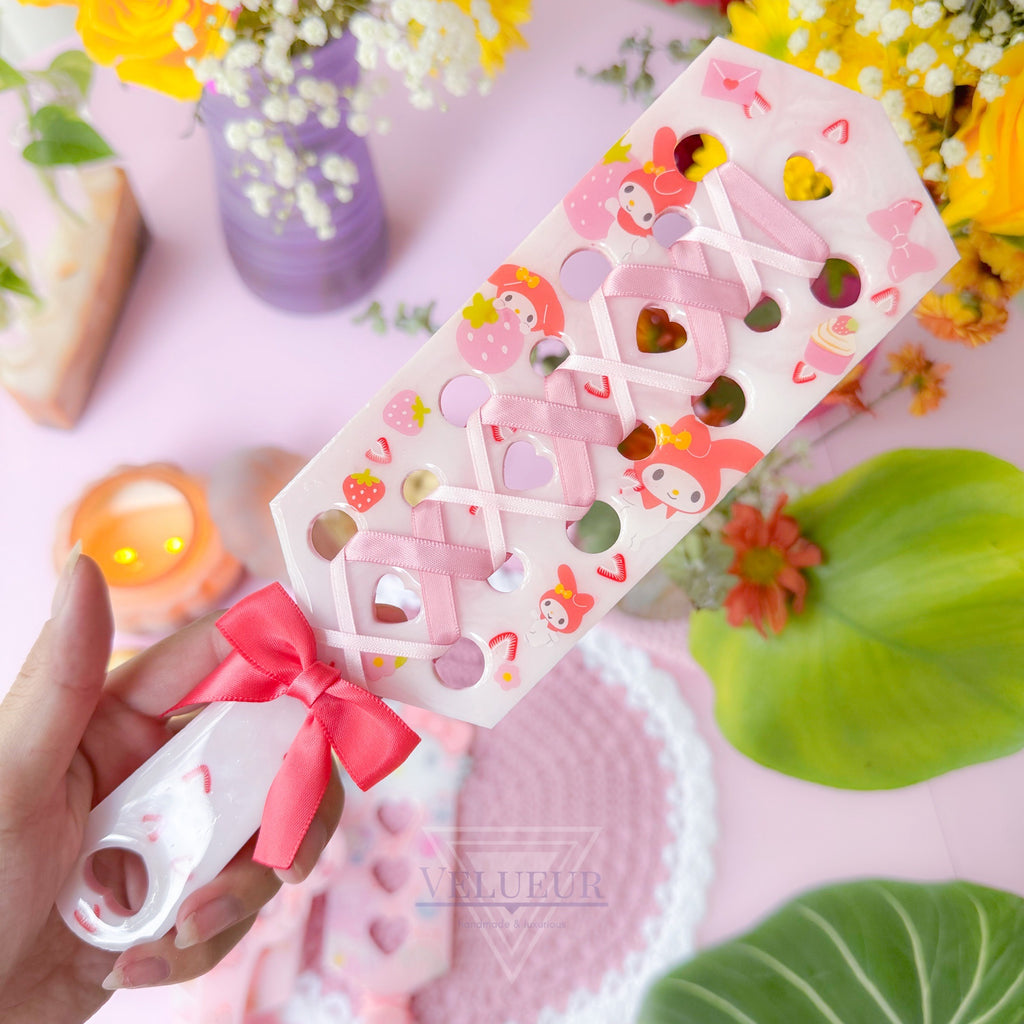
[148, 41]
[994, 132]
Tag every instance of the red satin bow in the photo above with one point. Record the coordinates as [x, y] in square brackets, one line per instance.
[275, 654]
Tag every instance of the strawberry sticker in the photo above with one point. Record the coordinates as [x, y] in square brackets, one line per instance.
[362, 490]
[406, 413]
[492, 345]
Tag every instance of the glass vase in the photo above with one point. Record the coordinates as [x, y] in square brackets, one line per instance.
[282, 260]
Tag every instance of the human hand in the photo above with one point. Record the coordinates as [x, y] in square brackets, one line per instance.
[69, 735]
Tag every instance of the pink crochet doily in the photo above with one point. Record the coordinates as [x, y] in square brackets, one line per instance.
[604, 752]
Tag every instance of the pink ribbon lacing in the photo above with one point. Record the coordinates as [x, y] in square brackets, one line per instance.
[707, 301]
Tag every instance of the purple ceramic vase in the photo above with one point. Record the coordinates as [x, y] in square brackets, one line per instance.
[284, 263]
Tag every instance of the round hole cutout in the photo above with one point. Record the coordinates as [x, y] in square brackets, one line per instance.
[547, 356]
[765, 315]
[461, 397]
[419, 485]
[509, 576]
[670, 227]
[461, 666]
[697, 154]
[583, 272]
[638, 443]
[838, 284]
[330, 532]
[597, 531]
[119, 878]
[722, 404]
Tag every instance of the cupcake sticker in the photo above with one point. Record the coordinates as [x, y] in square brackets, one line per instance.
[830, 349]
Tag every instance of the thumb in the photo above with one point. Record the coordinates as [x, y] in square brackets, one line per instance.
[44, 715]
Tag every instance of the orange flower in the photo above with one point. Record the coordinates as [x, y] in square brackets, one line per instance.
[921, 375]
[962, 316]
[769, 556]
[1003, 258]
[847, 391]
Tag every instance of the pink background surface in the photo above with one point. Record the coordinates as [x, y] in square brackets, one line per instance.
[199, 369]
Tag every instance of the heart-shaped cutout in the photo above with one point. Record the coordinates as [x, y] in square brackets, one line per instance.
[730, 83]
[803, 181]
[523, 469]
[391, 873]
[388, 933]
[395, 815]
[657, 332]
[393, 601]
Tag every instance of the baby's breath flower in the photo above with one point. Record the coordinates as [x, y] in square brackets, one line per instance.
[275, 109]
[893, 25]
[960, 27]
[983, 55]
[974, 167]
[235, 135]
[798, 41]
[184, 35]
[921, 57]
[953, 152]
[991, 86]
[928, 14]
[806, 10]
[828, 62]
[870, 80]
[939, 81]
[338, 169]
[872, 12]
[313, 30]
[954, 5]
[1000, 22]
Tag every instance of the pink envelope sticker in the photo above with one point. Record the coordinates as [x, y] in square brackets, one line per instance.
[735, 83]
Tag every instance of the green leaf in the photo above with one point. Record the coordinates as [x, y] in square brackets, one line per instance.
[906, 662]
[77, 66]
[10, 78]
[63, 138]
[12, 281]
[861, 953]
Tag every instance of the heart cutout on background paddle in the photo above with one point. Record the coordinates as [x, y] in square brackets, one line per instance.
[388, 933]
[803, 181]
[657, 332]
[524, 469]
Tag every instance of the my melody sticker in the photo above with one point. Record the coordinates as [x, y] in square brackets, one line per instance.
[619, 311]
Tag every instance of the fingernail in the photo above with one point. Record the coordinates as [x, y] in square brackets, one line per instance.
[151, 970]
[315, 840]
[60, 595]
[210, 919]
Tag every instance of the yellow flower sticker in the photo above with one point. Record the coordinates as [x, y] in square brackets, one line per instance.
[480, 311]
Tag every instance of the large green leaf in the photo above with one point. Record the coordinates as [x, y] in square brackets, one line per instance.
[861, 953]
[909, 658]
[63, 138]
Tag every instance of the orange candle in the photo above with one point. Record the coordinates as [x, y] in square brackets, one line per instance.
[150, 531]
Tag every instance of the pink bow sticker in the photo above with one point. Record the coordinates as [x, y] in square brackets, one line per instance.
[893, 224]
[735, 83]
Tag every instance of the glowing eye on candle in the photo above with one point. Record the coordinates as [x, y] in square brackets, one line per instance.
[125, 556]
[173, 545]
